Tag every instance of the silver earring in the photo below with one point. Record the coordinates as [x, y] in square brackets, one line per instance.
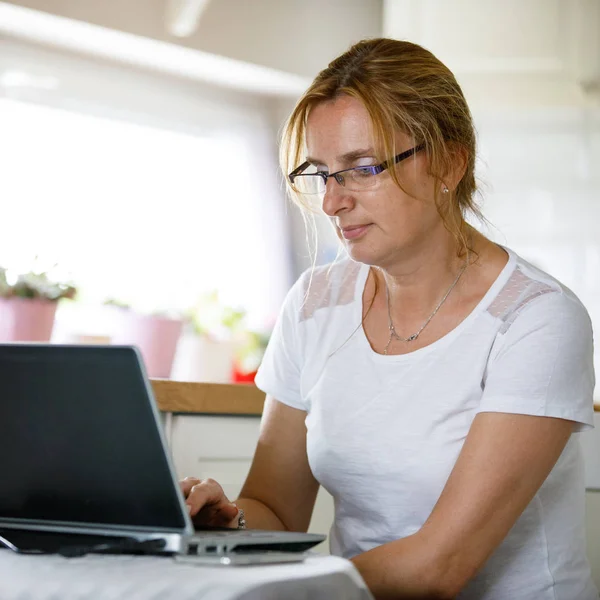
[445, 190]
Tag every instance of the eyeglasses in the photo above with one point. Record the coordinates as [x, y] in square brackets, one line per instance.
[355, 179]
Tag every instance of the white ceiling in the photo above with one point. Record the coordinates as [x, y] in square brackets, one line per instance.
[298, 37]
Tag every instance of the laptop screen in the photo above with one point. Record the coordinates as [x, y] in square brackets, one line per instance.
[79, 443]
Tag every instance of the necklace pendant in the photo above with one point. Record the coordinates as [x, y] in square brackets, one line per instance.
[414, 336]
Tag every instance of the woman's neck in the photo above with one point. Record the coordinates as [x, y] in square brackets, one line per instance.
[418, 280]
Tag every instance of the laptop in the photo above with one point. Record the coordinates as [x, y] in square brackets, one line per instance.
[84, 464]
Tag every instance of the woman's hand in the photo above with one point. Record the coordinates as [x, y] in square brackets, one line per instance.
[208, 504]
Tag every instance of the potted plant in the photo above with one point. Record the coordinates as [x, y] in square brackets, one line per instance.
[28, 303]
[248, 355]
[206, 349]
[156, 335]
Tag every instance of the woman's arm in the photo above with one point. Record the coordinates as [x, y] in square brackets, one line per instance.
[280, 490]
[504, 461]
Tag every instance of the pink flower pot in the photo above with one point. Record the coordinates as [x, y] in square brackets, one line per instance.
[156, 338]
[26, 319]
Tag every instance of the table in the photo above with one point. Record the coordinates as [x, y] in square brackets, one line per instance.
[111, 577]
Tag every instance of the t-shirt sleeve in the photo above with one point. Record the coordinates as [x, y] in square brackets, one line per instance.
[281, 367]
[543, 364]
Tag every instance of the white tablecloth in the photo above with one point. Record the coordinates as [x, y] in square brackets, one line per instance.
[110, 577]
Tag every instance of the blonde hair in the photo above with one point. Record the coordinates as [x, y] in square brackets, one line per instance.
[404, 87]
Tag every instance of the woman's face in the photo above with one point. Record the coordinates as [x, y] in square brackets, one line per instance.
[381, 225]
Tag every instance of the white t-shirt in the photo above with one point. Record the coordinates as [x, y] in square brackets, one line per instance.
[384, 432]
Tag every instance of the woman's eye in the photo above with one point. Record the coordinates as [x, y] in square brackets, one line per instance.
[363, 172]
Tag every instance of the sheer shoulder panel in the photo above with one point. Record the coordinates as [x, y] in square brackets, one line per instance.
[330, 285]
[518, 291]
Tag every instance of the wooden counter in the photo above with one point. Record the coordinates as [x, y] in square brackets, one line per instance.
[208, 398]
[213, 398]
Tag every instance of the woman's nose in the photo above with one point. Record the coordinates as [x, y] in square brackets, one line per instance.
[336, 198]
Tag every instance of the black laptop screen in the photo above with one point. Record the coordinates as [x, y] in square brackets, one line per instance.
[79, 441]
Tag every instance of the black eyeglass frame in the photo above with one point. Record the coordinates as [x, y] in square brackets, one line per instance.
[338, 175]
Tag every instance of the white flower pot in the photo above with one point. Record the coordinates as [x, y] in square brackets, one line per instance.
[199, 358]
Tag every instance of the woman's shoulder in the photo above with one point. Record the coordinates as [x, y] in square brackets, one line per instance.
[329, 285]
[528, 286]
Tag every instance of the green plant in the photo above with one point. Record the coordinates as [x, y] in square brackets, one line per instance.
[33, 284]
[250, 349]
[211, 318]
[147, 309]
[117, 303]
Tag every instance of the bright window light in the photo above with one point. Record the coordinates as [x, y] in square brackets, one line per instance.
[148, 216]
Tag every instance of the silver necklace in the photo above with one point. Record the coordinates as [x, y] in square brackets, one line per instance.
[414, 336]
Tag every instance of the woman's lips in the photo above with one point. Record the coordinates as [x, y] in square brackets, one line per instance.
[351, 233]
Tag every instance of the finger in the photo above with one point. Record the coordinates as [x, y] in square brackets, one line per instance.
[224, 513]
[187, 484]
[208, 508]
[218, 514]
[206, 493]
[218, 517]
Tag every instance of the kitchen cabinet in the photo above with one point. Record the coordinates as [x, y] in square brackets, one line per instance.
[592, 530]
[513, 53]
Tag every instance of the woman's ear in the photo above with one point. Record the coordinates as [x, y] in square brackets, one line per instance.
[459, 158]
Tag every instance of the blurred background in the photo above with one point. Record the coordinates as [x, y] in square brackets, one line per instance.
[140, 191]
[139, 157]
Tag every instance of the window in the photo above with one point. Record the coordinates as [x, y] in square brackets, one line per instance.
[146, 215]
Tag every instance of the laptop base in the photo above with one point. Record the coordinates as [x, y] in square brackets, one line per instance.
[74, 544]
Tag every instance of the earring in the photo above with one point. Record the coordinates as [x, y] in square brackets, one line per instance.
[445, 190]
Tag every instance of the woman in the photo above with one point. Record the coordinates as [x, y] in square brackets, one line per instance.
[430, 381]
